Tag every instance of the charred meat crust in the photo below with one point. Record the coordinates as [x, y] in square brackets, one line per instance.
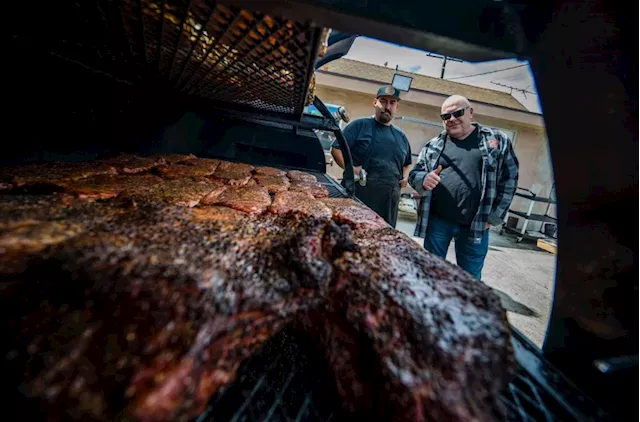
[143, 309]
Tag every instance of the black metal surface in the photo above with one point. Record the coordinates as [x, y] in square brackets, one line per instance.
[471, 30]
[349, 179]
[286, 381]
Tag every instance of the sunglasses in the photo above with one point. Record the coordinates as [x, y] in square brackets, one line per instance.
[457, 113]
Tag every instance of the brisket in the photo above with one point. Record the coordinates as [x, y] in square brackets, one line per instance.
[120, 312]
[218, 213]
[355, 214]
[173, 158]
[206, 296]
[106, 187]
[269, 171]
[130, 163]
[442, 338]
[179, 171]
[313, 188]
[273, 184]
[185, 192]
[235, 174]
[301, 176]
[301, 204]
[52, 174]
[253, 200]
[204, 163]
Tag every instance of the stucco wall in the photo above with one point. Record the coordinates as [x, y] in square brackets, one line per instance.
[530, 142]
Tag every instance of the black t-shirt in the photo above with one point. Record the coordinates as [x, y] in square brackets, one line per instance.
[389, 153]
[457, 196]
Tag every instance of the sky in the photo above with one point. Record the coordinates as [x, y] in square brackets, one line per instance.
[378, 52]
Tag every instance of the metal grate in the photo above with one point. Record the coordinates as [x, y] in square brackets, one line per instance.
[335, 190]
[524, 402]
[279, 384]
[204, 48]
[225, 53]
[285, 382]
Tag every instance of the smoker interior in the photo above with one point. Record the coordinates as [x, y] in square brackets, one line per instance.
[75, 100]
[285, 382]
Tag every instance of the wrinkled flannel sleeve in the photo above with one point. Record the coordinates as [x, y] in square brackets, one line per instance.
[419, 172]
[506, 187]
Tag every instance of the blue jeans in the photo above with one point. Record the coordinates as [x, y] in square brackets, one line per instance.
[469, 255]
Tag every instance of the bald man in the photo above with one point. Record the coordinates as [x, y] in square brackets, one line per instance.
[466, 177]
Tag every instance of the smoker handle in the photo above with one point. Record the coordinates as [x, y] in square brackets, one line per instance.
[349, 180]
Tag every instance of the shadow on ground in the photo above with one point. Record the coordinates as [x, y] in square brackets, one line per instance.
[512, 305]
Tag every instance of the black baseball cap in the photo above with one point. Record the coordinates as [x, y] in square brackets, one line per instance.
[388, 91]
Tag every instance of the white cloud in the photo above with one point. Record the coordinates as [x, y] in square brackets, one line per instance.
[380, 52]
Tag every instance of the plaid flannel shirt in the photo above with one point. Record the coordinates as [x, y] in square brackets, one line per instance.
[499, 179]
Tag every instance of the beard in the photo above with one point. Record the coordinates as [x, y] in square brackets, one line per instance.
[384, 117]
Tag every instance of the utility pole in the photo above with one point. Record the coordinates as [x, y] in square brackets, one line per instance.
[444, 61]
[524, 91]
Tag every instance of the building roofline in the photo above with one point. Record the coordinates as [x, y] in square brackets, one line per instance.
[521, 110]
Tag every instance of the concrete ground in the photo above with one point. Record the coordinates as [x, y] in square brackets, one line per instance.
[519, 273]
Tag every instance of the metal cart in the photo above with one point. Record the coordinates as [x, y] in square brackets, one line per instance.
[528, 216]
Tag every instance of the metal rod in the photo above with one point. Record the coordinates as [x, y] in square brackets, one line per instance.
[159, 51]
[316, 39]
[349, 179]
[126, 34]
[195, 43]
[142, 33]
[180, 33]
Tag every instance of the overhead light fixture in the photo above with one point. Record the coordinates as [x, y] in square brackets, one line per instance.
[401, 82]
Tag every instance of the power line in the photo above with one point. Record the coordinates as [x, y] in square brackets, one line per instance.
[486, 73]
[524, 91]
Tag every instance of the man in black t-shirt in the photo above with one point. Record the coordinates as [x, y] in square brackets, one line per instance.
[383, 151]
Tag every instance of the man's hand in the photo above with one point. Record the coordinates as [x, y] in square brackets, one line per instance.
[356, 170]
[488, 226]
[403, 183]
[432, 179]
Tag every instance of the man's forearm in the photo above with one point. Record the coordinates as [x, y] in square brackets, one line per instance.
[337, 156]
[405, 172]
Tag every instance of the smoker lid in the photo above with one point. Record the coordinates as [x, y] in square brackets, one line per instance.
[241, 59]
